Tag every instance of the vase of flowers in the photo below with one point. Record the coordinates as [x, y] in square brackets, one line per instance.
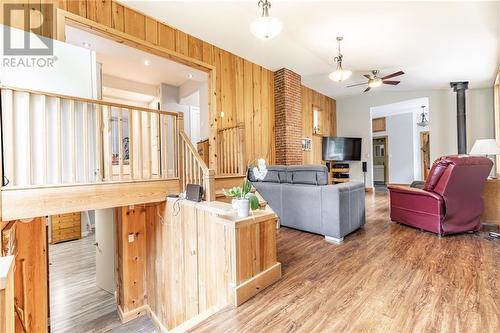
[243, 199]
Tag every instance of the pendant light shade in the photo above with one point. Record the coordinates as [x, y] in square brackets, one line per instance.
[340, 74]
[423, 118]
[266, 27]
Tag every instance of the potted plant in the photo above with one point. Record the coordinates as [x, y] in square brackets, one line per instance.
[243, 199]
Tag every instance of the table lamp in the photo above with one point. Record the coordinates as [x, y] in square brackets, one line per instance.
[486, 147]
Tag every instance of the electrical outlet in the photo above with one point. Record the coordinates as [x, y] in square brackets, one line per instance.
[131, 238]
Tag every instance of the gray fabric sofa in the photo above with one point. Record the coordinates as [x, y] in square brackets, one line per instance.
[302, 198]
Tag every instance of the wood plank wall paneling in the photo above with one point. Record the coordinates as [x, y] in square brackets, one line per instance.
[131, 254]
[30, 275]
[327, 106]
[184, 275]
[99, 10]
[195, 261]
[244, 90]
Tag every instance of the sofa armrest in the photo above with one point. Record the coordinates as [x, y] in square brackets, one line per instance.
[342, 208]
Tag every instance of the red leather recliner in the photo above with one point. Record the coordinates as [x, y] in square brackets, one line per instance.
[451, 200]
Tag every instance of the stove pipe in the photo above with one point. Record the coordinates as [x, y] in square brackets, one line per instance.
[460, 88]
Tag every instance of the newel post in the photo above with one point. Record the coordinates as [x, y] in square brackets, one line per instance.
[180, 150]
[209, 181]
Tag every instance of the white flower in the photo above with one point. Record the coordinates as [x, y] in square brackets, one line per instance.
[260, 171]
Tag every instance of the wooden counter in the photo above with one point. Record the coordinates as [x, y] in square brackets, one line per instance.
[252, 243]
[196, 258]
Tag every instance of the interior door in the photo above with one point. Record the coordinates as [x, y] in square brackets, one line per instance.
[105, 249]
[195, 124]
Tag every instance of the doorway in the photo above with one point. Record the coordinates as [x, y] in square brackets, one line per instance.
[380, 163]
[400, 143]
[425, 152]
[81, 272]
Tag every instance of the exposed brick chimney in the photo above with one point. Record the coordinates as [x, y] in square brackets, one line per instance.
[288, 117]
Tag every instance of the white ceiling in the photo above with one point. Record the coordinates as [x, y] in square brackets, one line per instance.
[433, 42]
[410, 105]
[126, 62]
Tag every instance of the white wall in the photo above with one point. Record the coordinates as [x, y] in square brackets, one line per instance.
[73, 73]
[399, 132]
[188, 89]
[353, 119]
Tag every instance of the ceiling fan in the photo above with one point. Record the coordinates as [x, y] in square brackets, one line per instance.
[375, 81]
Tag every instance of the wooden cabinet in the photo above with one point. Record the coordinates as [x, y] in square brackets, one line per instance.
[65, 227]
[378, 124]
[491, 197]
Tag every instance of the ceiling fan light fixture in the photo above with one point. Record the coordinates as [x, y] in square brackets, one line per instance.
[266, 27]
[375, 82]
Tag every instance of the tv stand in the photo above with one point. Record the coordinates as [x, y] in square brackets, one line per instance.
[339, 172]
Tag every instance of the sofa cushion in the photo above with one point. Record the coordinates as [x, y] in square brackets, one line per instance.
[307, 174]
[275, 174]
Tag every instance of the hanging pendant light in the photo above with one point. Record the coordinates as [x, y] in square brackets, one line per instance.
[423, 121]
[339, 74]
[266, 27]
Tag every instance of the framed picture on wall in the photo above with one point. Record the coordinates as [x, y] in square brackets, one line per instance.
[306, 144]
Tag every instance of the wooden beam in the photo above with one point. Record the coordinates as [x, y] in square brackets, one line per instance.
[52, 200]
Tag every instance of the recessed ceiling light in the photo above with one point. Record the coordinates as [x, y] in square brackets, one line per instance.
[190, 76]
[146, 62]
[85, 44]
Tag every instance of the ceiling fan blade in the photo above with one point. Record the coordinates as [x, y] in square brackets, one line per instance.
[368, 76]
[357, 84]
[393, 75]
[367, 89]
[391, 82]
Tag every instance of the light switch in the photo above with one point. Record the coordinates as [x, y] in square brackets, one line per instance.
[131, 238]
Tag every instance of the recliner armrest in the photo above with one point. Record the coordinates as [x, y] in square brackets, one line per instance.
[413, 191]
[415, 200]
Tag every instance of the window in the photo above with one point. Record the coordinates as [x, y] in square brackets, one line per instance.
[317, 120]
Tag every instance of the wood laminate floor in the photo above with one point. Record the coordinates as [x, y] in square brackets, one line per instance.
[383, 278]
[76, 303]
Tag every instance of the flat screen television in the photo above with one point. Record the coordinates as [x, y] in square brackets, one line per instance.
[341, 149]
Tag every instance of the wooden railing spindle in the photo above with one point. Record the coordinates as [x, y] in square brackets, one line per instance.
[85, 139]
[120, 144]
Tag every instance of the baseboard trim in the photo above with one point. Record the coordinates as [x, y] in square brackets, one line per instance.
[334, 240]
[185, 326]
[253, 286]
[132, 314]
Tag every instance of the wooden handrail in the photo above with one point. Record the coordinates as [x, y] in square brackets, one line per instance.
[231, 150]
[92, 101]
[191, 165]
[239, 125]
[193, 151]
